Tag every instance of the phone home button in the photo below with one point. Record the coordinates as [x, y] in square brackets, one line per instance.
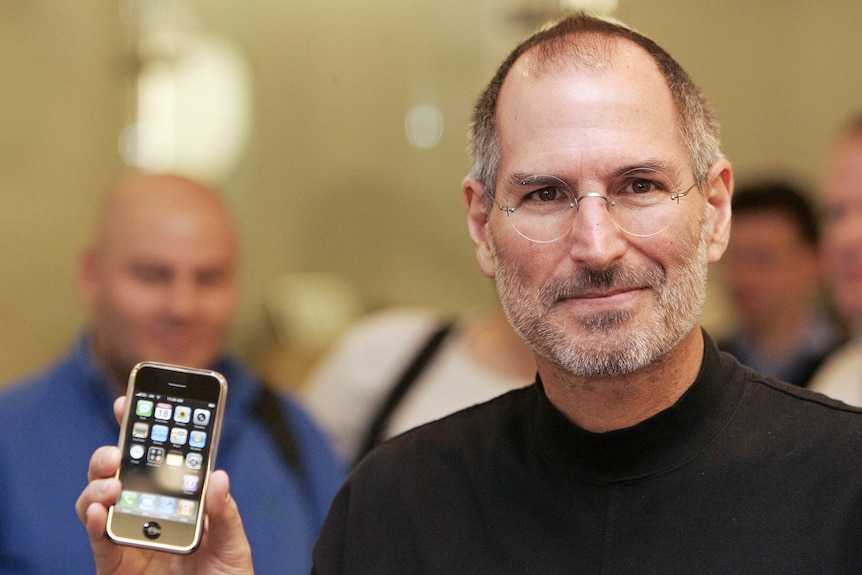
[152, 530]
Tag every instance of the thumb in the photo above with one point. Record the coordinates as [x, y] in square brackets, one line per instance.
[225, 534]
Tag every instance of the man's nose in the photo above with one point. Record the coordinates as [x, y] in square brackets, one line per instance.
[595, 238]
[182, 298]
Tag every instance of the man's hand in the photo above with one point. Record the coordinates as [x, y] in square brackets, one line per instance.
[224, 548]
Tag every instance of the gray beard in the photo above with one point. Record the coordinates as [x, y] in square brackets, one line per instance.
[617, 343]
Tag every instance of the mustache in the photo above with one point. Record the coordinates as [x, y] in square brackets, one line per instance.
[589, 281]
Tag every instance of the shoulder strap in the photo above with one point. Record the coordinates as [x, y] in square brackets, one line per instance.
[404, 382]
[268, 408]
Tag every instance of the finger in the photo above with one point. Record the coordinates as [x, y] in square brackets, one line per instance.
[119, 406]
[95, 521]
[102, 488]
[104, 462]
[225, 534]
[105, 553]
[98, 493]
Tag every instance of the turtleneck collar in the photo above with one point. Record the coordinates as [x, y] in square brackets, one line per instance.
[662, 442]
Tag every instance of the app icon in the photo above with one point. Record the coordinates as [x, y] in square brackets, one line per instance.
[167, 505]
[128, 499]
[186, 508]
[179, 435]
[160, 433]
[156, 455]
[174, 459]
[198, 438]
[194, 461]
[140, 429]
[147, 502]
[144, 408]
[202, 416]
[190, 482]
[182, 414]
[136, 451]
[164, 410]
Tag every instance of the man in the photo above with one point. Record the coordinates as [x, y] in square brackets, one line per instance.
[773, 279]
[597, 200]
[399, 368]
[160, 280]
[841, 197]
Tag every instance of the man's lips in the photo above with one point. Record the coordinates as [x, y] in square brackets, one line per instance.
[609, 293]
[601, 293]
[602, 298]
[602, 289]
[177, 342]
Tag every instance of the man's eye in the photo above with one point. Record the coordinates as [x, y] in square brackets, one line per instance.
[637, 191]
[643, 186]
[548, 194]
[150, 275]
[213, 278]
[833, 214]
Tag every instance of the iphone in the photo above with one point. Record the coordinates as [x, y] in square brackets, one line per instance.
[168, 439]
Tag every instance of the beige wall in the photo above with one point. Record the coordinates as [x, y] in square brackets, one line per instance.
[62, 96]
[329, 182]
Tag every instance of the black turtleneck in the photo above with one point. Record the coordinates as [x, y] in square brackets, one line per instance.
[744, 474]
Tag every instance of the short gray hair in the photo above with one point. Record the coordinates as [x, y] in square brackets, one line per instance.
[579, 38]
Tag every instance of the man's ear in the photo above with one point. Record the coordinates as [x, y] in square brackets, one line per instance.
[477, 221]
[718, 195]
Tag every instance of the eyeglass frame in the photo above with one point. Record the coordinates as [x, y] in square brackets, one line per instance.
[674, 195]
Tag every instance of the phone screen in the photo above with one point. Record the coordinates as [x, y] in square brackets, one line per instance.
[168, 441]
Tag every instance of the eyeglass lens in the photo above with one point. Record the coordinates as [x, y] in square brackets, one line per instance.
[544, 208]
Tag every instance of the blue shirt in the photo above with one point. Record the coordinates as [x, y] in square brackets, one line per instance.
[820, 337]
[51, 424]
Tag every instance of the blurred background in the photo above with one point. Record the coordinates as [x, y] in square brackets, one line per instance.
[336, 128]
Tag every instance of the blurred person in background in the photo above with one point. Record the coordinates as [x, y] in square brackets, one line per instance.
[772, 274]
[399, 368]
[840, 376]
[160, 282]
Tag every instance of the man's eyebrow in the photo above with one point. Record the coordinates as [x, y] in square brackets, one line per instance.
[517, 178]
[656, 165]
[520, 179]
[146, 264]
[667, 168]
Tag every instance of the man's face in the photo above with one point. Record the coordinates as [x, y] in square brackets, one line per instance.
[770, 270]
[599, 302]
[842, 227]
[162, 286]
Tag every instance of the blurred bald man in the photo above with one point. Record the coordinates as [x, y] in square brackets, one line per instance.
[160, 281]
